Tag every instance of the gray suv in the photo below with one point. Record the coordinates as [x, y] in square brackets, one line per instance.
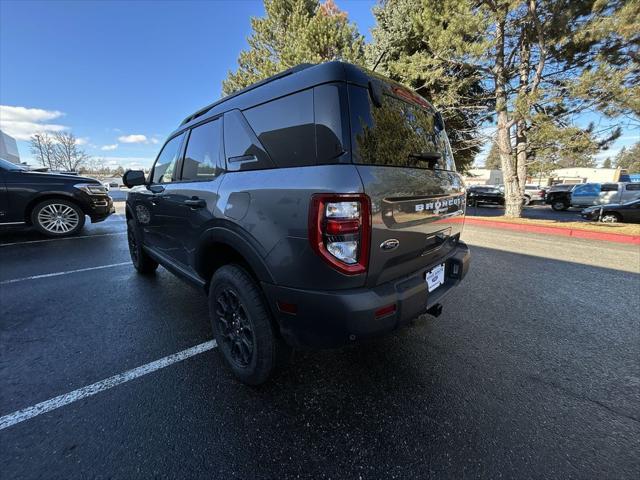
[316, 208]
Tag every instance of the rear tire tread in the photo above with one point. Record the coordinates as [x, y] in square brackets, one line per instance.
[144, 264]
[270, 351]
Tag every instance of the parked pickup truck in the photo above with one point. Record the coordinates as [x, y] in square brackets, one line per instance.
[588, 194]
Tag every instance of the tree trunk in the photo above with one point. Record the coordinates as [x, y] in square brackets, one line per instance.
[521, 124]
[521, 155]
[512, 196]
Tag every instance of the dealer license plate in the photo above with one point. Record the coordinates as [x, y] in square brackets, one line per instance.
[435, 277]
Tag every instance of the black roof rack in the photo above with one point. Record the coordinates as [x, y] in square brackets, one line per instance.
[289, 71]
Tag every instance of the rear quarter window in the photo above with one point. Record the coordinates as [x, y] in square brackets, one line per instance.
[242, 149]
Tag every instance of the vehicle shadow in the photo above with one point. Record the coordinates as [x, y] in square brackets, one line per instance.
[500, 381]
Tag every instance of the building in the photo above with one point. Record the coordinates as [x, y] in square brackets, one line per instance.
[586, 175]
[9, 148]
[483, 176]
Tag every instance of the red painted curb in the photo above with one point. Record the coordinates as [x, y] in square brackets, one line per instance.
[558, 231]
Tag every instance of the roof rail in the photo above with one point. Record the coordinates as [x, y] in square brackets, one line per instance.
[202, 111]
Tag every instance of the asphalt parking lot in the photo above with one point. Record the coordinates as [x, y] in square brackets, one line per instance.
[532, 371]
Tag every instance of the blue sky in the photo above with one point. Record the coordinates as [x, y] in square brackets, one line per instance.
[122, 75]
[111, 72]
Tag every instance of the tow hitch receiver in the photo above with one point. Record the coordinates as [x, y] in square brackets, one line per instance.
[435, 310]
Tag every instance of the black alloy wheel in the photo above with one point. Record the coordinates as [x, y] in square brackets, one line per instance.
[236, 330]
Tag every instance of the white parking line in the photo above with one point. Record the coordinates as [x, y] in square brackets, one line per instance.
[84, 392]
[58, 239]
[56, 274]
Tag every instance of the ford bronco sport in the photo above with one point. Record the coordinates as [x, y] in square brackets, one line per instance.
[316, 208]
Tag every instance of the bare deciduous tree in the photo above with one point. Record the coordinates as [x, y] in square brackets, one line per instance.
[42, 149]
[68, 155]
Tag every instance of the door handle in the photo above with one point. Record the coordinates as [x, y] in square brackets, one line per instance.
[195, 203]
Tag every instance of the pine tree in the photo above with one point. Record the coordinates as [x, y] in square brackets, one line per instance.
[492, 162]
[399, 51]
[526, 55]
[294, 32]
[629, 159]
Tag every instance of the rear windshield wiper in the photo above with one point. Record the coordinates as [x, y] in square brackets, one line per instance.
[431, 157]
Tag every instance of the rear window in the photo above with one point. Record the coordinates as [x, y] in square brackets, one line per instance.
[398, 133]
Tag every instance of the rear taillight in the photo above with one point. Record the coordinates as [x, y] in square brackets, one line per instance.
[340, 230]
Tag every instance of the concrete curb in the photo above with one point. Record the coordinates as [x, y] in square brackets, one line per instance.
[559, 231]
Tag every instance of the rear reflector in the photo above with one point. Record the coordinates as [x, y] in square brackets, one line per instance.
[290, 308]
[342, 227]
[384, 311]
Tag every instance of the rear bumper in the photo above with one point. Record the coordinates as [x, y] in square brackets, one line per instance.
[333, 318]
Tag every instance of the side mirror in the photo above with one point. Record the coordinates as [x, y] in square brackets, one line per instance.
[131, 178]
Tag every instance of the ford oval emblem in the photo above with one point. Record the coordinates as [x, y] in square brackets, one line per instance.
[390, 244]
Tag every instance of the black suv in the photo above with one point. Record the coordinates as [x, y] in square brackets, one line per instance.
[316, 208]
[55, 204]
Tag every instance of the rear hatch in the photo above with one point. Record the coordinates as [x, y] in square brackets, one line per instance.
[404, 159]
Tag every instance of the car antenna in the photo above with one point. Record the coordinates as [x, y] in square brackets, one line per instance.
[378, 61]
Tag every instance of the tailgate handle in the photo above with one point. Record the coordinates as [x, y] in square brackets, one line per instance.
[440, 238]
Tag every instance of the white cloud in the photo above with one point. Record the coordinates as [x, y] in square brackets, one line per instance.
[82, 141]
[22, 122]
[135, 138]
[109, 148]
[154, 140]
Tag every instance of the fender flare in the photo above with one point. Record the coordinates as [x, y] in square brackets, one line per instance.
[250, 250]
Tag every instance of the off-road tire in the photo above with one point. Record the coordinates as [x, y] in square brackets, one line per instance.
[141, 260]
[268, 350]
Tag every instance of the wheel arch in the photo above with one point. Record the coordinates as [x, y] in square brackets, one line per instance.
[220, 246]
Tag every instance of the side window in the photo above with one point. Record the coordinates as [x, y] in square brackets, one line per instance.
[166, 163]
[609, 187]
[203, 152]
[241, 146]
[286, 129]
[587, 190]
[633, 186]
